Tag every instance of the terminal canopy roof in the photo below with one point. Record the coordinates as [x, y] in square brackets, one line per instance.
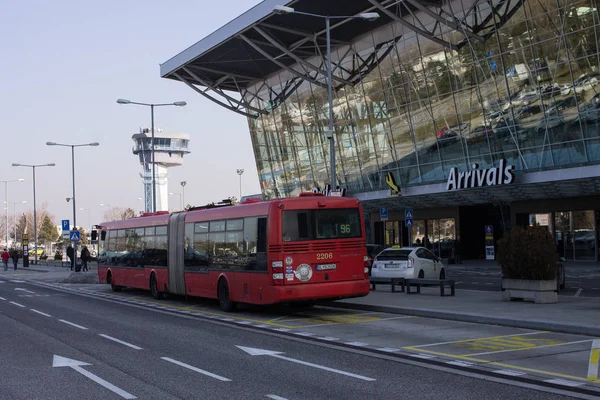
[260, 42]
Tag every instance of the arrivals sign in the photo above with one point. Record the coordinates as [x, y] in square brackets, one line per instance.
[501, 175]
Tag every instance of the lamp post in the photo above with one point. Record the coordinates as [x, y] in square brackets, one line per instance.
[178, 194]
[33, 167]
[152, 105]
[15, 215]
[6, 202]
[183, 183]
[72, 146]
[240, 171]
[369, 16]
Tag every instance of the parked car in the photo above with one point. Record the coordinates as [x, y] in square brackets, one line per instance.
[408, 262]
[372, 251]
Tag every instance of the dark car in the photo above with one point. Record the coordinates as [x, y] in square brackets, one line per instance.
[372, 251]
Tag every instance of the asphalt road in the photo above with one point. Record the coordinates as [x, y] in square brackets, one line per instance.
[582, 280]
[150, 354]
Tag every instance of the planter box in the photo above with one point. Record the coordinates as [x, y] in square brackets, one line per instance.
[540, 292]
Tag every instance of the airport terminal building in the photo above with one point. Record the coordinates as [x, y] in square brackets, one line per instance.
[477, 115]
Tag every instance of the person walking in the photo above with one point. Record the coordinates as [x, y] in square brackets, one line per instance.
[85, 257]
[71, 255]
[5, 256]
[14, 254]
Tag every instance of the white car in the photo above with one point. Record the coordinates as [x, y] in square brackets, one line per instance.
[408, 262]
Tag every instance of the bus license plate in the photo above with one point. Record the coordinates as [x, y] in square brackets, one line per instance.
[325, 267]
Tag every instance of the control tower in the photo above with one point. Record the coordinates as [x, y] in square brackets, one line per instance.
[169, 149]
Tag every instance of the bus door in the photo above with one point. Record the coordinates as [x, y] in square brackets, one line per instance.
[176, 262]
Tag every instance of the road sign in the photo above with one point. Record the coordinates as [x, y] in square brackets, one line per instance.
[489, 243]
[75, 236]
[383, 213]
[66, 225]
[408, 218]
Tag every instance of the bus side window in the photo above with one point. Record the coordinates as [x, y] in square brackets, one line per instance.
[261, 245]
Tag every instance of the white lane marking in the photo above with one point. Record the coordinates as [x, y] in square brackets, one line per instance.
[59, 361]
[17, 281]
[72, 324]
[133, 346]
[304, 333]
[2, 298]
[24, 290]
[578, 292]
[200, 371]
[424, 356]
[460, 363]
[532, 348]
[275, 397]
[564, 382]
[388, 349]
[510, 372]
[41, 313]
[358, 344]
[486, 338]
[328, 338]
[277, 354]
[16, 304]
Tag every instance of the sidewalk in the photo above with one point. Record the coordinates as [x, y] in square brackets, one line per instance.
[577, 315]
[47, 272]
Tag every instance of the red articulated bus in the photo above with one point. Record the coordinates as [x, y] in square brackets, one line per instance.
[305, 249]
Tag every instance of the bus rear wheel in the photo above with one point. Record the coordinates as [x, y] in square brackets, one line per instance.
[154, 288]
[223, 295]
[113, 287]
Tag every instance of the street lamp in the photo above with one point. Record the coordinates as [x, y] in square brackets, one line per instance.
[183, 183]
[6, 202]
[240, 171]
[180, 200]
[152, 105]
[72, 146]
[33, 167]
[15, 216]
[369, 16]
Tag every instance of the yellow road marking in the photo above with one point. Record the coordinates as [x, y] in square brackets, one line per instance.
[594, 361]
[534, 347]
[484, 338]
[498, 364]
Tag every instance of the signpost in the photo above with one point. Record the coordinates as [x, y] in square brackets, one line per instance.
[383, 213]
[489, 242]
[409, 222]
[25, 244]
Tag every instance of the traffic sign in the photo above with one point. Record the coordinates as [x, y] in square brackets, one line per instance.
[66, 225]
[383, 213]
[75, 236]
[408, 218]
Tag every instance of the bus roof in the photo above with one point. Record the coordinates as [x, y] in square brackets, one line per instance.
[227, 212]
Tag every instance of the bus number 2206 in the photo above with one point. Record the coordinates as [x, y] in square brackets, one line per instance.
[324, 256]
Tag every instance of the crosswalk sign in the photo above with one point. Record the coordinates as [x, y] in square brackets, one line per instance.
[75, 236]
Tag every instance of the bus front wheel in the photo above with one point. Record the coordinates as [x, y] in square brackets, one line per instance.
[115, 288]
[154, 288]
[223, 294]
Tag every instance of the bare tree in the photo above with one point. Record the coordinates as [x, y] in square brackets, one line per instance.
[119, 213]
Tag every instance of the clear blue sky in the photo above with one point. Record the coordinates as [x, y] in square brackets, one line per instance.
[65, 63]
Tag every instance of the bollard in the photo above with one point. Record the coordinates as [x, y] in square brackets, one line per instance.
[594, 361]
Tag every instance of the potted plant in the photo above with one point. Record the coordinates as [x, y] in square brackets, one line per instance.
[58, 255]
[528, 259]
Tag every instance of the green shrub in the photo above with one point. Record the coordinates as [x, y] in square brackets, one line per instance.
[58, 255]
[528, 254]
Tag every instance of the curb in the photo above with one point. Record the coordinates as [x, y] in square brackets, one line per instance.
[588, 330]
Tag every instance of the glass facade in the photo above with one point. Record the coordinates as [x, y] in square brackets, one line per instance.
[529, 92]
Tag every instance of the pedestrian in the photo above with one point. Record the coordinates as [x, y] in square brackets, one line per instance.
[15, 257]
[71, 255]
[85, 257]
[5, 256]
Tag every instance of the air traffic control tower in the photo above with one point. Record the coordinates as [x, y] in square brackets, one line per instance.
[169, 149]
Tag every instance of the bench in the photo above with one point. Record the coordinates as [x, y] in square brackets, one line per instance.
[442, 283]
[387, 281]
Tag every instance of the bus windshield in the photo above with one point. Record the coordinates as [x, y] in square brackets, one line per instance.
[338, 223]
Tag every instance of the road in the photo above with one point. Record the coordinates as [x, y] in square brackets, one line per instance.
[582, 280]
[106, 346]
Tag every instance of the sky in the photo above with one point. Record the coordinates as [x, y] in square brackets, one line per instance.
[64, 65]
